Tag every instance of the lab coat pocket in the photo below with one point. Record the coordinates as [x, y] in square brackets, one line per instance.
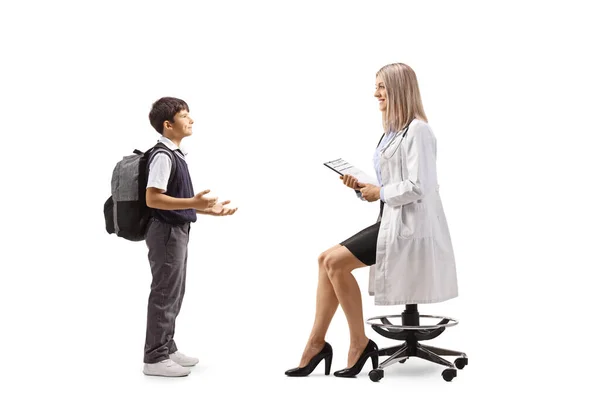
[415, 222]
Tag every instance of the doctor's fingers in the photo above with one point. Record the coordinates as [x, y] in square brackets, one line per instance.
[350, 181]
[367, 195]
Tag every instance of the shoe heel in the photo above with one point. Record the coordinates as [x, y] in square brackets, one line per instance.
[328, 364]
[375, 361]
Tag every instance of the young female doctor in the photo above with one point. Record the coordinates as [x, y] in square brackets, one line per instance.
[409, 247]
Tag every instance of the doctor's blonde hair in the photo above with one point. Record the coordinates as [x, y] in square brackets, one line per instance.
[403, 96]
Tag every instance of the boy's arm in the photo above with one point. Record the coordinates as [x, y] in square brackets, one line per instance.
[161, 201]
[156, 199]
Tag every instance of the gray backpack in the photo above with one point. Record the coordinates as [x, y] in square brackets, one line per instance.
[125, 211]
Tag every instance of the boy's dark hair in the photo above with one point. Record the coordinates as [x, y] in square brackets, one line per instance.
[165, 109]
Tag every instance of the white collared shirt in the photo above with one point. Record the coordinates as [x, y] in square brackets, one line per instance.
[160, 167]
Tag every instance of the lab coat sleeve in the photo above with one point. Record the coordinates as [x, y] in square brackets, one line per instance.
[420, 162]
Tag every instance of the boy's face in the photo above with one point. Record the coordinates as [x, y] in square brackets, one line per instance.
[181, 127]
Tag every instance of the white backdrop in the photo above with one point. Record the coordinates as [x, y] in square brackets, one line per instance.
[511, 92]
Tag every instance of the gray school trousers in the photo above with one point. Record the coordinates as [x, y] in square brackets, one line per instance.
[167, 253]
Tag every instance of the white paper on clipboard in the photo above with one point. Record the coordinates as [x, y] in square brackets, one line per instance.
[343, 167]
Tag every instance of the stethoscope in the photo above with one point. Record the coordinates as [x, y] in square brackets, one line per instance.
[401, 133]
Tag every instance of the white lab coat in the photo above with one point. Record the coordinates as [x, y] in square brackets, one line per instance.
[415, 259]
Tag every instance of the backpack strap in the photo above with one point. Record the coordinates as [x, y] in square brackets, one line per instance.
[162, 148]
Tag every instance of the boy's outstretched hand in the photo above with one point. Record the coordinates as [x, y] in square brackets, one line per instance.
[201, 202]
[219, 209]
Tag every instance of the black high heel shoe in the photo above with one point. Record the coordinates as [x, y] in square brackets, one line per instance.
[326, 353]
[369, 351]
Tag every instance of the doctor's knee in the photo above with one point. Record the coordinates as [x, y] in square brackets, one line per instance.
[333, 265]
[321, 260]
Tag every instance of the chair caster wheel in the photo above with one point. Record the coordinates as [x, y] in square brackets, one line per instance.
[461, 362]
[376, 375]
[449, 374]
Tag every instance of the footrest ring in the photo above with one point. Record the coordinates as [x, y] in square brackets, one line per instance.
[397, 328]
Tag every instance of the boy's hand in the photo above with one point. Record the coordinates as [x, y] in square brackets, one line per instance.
[369, 192]
[219, 209]
[200, 202]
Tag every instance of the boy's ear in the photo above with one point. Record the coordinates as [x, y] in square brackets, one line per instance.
[167, 125]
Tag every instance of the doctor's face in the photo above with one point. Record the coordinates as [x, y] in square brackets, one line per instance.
[381, 94]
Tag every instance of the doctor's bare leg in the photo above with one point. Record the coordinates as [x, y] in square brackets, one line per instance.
[339, 264]
[327, 304]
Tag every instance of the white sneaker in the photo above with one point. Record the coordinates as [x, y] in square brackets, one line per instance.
[166, 368]
[183, 360]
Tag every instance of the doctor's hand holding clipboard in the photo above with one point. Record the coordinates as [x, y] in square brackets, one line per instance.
[368, 191]
[354, 178]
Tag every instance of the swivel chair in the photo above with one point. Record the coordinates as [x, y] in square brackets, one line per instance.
[412, 333]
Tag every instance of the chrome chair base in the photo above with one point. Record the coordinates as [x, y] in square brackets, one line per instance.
[411, 332]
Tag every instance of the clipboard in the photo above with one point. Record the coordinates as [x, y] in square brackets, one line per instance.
[343, 167]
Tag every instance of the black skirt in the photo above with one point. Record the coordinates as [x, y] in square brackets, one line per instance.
[363, 245]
